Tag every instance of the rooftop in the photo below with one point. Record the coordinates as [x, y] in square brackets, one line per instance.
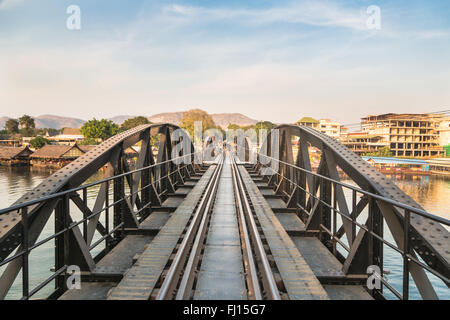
[308, 120]
[54, 151]
[14, 152]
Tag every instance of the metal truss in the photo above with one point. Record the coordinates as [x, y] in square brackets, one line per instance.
[136, 190]
[320, 198]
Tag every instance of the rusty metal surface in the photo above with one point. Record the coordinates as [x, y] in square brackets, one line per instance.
[297, 276]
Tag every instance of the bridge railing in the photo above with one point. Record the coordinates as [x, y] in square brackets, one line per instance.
[74, 238]
[328, 224]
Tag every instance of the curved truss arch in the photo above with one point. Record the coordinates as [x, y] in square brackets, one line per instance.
[157, 172]
[426, 237]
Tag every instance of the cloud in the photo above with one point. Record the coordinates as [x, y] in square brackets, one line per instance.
[5, 4]
[309, 13]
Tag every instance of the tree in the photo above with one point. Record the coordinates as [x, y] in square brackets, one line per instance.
[27, 124]
[12, 126]
[264, 125]
[191, 116]
[134, 122]
[233, 126]
[99, 129]
[383, 152]
[39, 142]
[90, 141]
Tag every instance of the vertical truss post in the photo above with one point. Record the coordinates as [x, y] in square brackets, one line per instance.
[61, 242]
[375, 245]
[145, 180]
[118, 202]
[324, 206]
[25, 266]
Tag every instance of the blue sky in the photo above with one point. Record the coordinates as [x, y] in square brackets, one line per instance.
[272, 60]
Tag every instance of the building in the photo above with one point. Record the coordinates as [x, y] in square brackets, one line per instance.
[15, 156]
[55, 156]
[407, 135]
[333, 129]
[308, 122]
[69, 136]
[444, 134]
[362, 143]
[10, 142]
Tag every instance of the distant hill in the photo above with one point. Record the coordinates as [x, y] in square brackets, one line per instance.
[166, 117]
[3, 121]
[221, 119]
[120, 119]
[51, 121]
[57, 122]
[224, 119]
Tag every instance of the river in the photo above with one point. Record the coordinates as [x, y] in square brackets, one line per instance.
[431, 192]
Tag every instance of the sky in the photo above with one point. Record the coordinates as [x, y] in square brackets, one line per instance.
[270, 60]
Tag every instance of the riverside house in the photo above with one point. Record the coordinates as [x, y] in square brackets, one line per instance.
[15, 156]
[55, 156]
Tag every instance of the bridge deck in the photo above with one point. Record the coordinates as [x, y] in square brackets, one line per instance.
[133, 269]
[221, 273]
[140, 280]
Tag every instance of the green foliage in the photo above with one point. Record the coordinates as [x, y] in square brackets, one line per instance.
[90, 141]
[383, 152]
[133, 122]
[27, 125]
[12, 126]
[99, 129]
[39, 142]
[267, 125]
[189, 117]
[233, 126]
[307, 120]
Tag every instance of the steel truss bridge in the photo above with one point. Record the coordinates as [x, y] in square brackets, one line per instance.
[164, 229]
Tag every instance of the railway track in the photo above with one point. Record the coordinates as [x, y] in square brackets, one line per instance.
[223, 243]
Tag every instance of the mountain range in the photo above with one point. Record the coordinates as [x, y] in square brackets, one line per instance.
[58, 122]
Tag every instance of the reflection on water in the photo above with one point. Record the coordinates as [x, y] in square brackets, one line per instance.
[14, 182]
[432, 192]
